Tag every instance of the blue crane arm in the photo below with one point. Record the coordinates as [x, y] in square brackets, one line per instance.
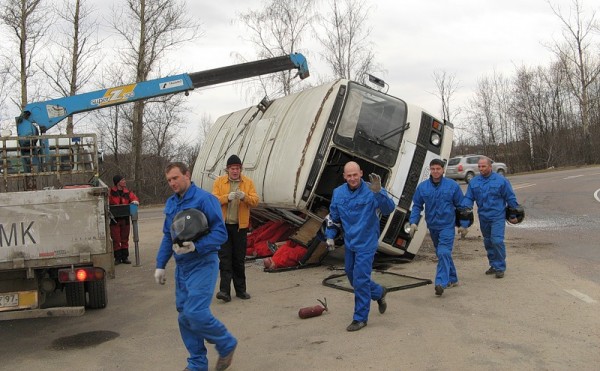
[48, 113]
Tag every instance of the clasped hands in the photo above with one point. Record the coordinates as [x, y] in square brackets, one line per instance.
[239, 195]
[184, 247]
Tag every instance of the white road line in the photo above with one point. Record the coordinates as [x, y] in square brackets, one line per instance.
[597, 195]
[572, 176]
[519, 186]
[581, 296]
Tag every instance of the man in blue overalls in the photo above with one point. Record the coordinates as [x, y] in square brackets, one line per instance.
[355, 206]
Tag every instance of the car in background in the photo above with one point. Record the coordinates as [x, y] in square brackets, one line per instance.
[465, 167]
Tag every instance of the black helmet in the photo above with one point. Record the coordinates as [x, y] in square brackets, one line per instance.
[189, 225]
[515, 212]
[464, 214]
[327, 222]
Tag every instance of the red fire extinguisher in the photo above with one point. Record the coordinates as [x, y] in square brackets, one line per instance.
[315, 311]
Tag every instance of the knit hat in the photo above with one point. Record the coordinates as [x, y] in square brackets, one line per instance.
[117, 179]
[234, 160]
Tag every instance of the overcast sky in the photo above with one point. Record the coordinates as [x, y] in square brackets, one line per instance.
[412, 39]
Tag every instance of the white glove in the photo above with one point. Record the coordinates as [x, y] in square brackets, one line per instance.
[135, 202]
[159, 276]
[463, 231]
[330, 244]
[375, 182]
[240, 195]
[231, 196]
[413, 229]
[186, 247]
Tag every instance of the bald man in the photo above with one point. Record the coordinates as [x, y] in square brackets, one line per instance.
[354, 205]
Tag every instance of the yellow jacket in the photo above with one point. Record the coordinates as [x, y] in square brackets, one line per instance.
[221, 191]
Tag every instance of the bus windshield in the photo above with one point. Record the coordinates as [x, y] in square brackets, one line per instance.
[372, 124]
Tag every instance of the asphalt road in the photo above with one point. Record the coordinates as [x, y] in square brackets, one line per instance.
[544, 315]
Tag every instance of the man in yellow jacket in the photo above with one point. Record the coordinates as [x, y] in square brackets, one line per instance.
[237, 195]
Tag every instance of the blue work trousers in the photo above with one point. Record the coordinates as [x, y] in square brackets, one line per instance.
[493, 241]
[443, 240]
[195, 285]
[358, 265]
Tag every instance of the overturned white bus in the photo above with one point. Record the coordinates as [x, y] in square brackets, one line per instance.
[295, 148]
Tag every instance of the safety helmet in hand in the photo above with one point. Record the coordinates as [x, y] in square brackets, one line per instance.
[189, 225]
[517, 212]
[464, 214]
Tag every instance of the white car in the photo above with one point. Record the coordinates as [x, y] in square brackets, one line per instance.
[465, 167]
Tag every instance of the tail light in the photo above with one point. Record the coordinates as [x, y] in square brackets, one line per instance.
[460, 167]
[80, 274]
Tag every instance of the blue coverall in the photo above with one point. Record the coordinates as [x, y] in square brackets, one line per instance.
[441, 201]
[357, 212]
[492, 194]
[196, 276]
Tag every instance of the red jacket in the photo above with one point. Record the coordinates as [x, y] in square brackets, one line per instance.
[121, 197]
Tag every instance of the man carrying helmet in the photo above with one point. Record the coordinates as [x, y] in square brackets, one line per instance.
[196, 271]
[441, 197]
[493, 193]
[237, 195]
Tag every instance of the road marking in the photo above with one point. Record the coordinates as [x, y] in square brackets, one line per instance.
[597, 195]
[581, 296]
[525, 185]
[572, 176]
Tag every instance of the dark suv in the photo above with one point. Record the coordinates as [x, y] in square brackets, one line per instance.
[465, 167]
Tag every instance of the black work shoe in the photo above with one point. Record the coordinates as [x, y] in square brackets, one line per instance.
[243, 295]
[117, 261]
[356, 325]
[490, 271]
[381, 302]
[224, 362]
[499, 274]
[439, 290]
[125, 261]
[224, 296]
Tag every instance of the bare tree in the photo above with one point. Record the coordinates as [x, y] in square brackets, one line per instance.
[74, 64]
[446, 85]
[278, 30]
[344, 35]
[28, 22]
[150, 28]
[579, 59]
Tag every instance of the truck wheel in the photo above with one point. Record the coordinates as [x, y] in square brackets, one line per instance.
[97, 297]
[75, 294]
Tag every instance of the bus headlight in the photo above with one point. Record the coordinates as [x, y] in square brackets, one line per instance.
[435, 139]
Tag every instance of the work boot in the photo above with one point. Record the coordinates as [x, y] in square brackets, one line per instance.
[356, 325]
[381, 302]
[439, 290]
[126, 261]
[451, 285]
[224, 296]
[499, 274]
[243, 295]
[117, 261]
[224, 362]
[490, 271]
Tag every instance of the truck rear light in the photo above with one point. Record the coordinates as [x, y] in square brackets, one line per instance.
[80, 274]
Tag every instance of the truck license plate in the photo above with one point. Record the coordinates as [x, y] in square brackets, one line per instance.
[9, 300]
